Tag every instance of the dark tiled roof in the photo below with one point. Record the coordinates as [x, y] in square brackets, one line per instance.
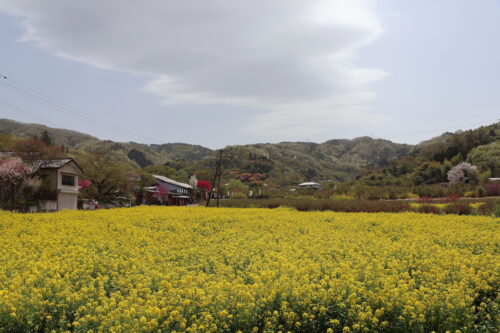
[52, 163]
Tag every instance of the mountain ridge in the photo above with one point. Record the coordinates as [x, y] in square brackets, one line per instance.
[286, 162]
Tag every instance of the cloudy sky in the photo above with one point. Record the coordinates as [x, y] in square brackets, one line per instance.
[222, 72]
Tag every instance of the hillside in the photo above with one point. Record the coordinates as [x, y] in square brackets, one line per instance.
[429, 161]
[285, 163]
[380, 161]
[293, 162]
[64, 137]
[131, 153]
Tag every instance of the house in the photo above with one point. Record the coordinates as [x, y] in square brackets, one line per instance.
[59, 189]
[168, 191]
[310, 185]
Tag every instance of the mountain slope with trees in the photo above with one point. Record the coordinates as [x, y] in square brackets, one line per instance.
[430, 161]
[365, 160]
[131, 153]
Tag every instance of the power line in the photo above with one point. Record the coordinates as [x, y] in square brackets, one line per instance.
[66, 109]
[47, 101]
[15, 110]
[62, 110]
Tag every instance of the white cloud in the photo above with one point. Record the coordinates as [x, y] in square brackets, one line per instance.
[294, 58]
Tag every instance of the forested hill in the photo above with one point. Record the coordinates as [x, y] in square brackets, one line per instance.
[430, 161]
[374, 161]
[292, 162]
[131, 153]
[286, 162]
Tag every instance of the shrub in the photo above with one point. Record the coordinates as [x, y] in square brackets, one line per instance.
[307, 197]
[470, 194]
[430, 190]
[408, 195]
[458, 208]
[480, 192]
[273, 204]
[496, 210]
[450, 198]
[482, 207]
[238, 195]
[424, 200]
[428, 209]
[341, 197]
[492, 189]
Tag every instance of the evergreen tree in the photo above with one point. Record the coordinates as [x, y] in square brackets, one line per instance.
[46, 138]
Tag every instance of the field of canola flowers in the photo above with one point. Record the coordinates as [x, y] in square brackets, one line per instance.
[166, 269]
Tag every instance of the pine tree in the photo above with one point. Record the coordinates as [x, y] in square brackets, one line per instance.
[46, 138]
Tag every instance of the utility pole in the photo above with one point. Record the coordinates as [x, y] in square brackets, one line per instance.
[218, 183]
[218, 172]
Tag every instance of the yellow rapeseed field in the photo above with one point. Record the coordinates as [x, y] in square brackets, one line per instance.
[161, 269]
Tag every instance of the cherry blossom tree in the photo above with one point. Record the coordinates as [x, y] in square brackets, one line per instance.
[17, 177]
[460, 172]
[161, 193]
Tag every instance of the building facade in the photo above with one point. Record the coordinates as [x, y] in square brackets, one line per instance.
[59, 189]
[167, 191]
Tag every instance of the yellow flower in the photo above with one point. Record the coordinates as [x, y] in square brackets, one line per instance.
[194, 269]
[334, 322]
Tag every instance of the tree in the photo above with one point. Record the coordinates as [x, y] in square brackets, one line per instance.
[6, 142]
[486, 157]
[203, 173]
[161, 193]
[142, 180]
[139, 157]
[428, 173]
[236, 186]
[161, 170]
[33, 149]
[204, 184]
[108, 178]
[17, 177]
[203, 187]
[461, 173]
[45, 137]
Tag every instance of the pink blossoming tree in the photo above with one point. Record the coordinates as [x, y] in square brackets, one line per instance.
[161, 193]
[16, 178]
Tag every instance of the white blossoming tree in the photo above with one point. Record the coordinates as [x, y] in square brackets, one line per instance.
[459, 174]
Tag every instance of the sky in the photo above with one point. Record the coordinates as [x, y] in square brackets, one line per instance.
[222, 72]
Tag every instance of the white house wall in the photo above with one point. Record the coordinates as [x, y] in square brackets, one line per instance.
[68, 169]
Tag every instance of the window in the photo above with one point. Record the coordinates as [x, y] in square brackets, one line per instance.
[68, 180]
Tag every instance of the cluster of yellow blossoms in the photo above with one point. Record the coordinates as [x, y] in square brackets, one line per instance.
[166, 269]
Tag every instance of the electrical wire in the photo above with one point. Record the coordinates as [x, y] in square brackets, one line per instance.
[17, 110]
[37, 96]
